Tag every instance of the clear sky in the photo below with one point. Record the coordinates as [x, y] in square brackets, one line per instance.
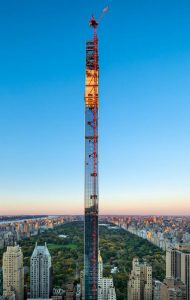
[144, 49]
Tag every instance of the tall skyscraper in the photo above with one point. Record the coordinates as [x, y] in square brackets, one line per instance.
[91, 169]
[140, 281]
[13, 273]
[185, 271]
[40, 273]
[173, 263]
[178, 267]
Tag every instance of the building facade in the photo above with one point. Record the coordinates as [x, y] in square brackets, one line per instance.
[178, 267]
[13, 273]
[140, 281]
[173, 263]
[106, 289]
[156, 291]
[40, 273]
[185, 271]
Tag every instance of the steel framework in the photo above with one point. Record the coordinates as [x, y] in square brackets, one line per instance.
[91, 169]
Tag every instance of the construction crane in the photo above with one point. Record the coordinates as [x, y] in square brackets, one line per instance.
[91, 166]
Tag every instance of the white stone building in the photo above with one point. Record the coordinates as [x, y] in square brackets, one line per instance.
[106, 290]
[13, 273]
[140, 281]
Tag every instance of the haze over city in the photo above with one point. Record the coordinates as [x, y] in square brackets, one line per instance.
[144, 106]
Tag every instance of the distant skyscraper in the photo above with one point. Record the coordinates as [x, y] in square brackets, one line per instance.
[178, 267]
[40, 273]
[173, 263]
[185, 271]
[26, 227]
[13, 273]
[140, 281]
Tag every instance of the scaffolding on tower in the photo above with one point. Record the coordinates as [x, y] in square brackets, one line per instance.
[91, 168]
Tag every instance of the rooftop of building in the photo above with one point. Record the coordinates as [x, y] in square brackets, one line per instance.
[40, 250]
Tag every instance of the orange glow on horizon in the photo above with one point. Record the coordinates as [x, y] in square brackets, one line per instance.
[120, 207]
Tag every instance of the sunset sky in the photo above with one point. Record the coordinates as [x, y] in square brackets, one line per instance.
[144, 120]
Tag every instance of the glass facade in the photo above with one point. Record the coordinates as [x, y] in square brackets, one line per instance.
[91, 172]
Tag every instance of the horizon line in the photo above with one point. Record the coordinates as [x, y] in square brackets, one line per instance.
[81, 215]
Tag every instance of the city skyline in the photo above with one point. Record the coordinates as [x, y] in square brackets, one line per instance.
[144, 105]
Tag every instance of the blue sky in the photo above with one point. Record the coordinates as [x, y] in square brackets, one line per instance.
[144, 50]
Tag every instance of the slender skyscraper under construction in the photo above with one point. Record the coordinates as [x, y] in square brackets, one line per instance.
[91, 168]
